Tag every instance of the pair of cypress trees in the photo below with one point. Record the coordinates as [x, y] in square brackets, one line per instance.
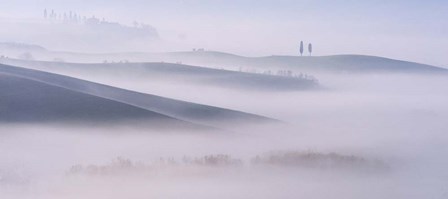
[310, 48]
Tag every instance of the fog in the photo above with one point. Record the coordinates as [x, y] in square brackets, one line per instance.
[399, 120]
[201, 99]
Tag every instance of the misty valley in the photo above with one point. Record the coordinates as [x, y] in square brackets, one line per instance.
[93, 108]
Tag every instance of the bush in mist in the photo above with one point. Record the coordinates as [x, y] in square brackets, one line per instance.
[214, 160]
[316, 160]
[126, 166]
[196, 165]
[282, 73]
[117, 165]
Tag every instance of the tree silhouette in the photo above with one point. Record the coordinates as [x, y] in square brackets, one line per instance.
[45, 13]
[310, 48]
[301, 48]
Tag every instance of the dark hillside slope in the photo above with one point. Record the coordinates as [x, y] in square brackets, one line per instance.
[196, 113]
[24, 100]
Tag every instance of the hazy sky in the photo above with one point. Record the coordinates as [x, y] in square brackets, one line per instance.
[405, 29]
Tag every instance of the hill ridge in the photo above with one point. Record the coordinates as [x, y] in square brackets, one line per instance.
[178, 109]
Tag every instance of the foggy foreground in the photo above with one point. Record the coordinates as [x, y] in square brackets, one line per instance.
[379, 135]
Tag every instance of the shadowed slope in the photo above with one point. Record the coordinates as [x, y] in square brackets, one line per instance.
[196, 113]
[30, 101]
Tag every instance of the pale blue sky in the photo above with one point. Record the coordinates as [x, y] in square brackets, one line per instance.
[415, 30]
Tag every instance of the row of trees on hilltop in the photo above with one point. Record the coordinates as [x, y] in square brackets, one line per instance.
[76, 18]
[310, 48]
[72, 17]
[66, 17]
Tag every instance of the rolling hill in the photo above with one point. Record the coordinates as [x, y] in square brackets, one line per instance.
[213, 59]
[314, 64]
[32, 95]
[175, 73]
[24, 100]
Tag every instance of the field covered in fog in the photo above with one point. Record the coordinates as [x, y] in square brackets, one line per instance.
[200, 99]
[373, 135]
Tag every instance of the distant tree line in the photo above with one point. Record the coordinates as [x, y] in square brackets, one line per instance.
[75, 18]
[198, 49]
[284, 73]
[289, 159]
[66, 17]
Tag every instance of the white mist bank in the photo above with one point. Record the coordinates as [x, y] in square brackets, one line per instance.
[393, 118]
[35, 162]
